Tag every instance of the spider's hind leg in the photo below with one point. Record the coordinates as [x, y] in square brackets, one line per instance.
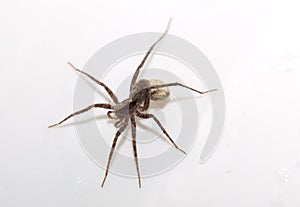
[179, 84]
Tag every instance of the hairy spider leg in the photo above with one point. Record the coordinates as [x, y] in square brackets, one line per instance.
[112, 149]
[178, 84]
[109, 114]
[149, 116]
[100, 105]
[133, 132]
[118, 123]
[146, 104]
[135, 76]
[110, 93]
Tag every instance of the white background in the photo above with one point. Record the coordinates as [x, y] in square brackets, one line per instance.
[254, 47]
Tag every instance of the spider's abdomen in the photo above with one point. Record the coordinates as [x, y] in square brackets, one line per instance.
[158, 94]
[140, 93]
[139, 87]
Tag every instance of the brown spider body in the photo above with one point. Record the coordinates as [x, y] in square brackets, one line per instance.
[141, 93]
[139, 100]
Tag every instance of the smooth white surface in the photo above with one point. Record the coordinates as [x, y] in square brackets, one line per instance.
[255, 48]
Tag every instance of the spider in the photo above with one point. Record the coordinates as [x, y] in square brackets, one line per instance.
[141, 92]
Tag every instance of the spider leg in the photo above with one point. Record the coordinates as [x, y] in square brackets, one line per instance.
[149, 116]
[112, 149]
[135, 76]
[178, 84]
[110, 93]
[118, 123]
[133, 132]
[146, 103]
[106, 106]
[109, 114]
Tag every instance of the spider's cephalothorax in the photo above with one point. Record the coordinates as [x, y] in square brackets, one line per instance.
[141, 93]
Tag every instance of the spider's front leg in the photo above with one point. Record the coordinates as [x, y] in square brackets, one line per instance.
[136, 74]
[108, 90]
[100, 105]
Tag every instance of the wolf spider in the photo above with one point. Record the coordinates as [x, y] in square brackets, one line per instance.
[141, 93]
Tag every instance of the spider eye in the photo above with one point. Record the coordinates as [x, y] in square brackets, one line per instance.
[158, 94]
